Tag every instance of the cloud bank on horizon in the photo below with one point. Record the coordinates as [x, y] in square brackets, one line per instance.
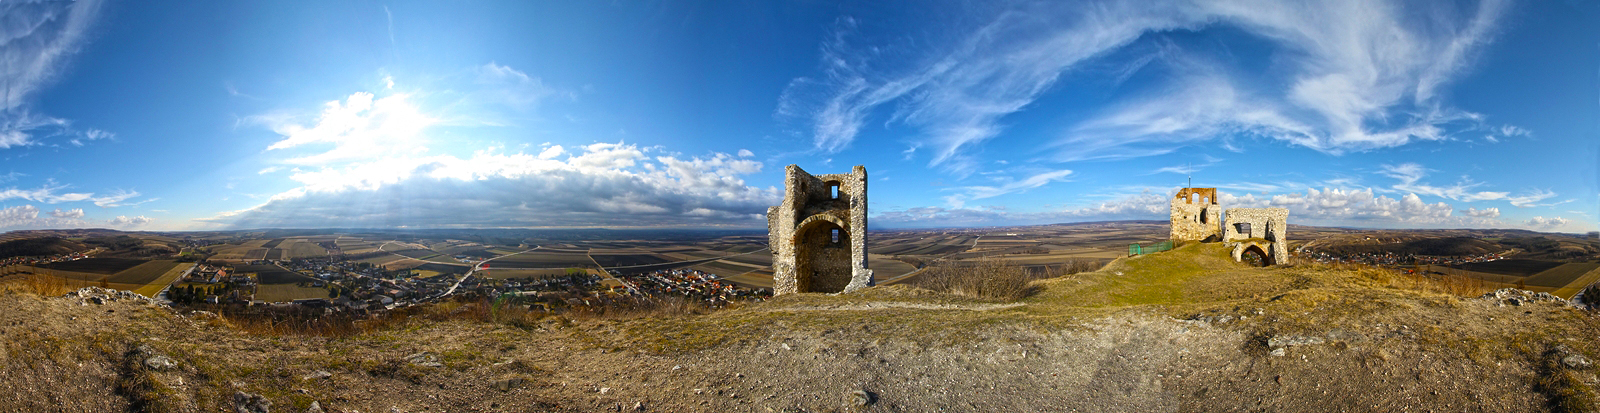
[1357, 113]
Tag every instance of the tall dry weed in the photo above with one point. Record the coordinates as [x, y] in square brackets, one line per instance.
[1453, 284]
[41, 284]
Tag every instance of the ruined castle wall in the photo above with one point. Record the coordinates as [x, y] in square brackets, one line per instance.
[1194, 214]
[1271, 224]
[807, 255]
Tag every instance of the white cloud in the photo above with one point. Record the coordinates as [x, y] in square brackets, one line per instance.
[1358, 75]
[27, 217]
[551, 152]
[71, 213]
[1482, 213]
[1546, 223]
[18, 216]
[363, 127]
[604, 184]
[745, 153]
[268, 170]
[129, 222]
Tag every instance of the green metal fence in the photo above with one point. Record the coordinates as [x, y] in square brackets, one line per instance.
[1136, 249]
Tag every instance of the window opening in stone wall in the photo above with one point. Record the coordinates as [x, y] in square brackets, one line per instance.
[835, 235]
[835, 190]
[1243, 227]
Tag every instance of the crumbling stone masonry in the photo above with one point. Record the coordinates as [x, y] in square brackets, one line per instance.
[1266, 229]
[818, 234]
[1194, 214]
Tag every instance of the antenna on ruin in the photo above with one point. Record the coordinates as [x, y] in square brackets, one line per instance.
[1189, 167]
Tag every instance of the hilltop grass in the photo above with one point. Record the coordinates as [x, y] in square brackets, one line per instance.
[1186, 282]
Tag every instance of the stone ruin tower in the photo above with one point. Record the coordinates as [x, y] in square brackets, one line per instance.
[1195, 214]
[1264, 229]
[818, 235]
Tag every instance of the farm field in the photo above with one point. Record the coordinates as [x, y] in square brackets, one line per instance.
[626, 260]
[302, 248]
[150, 289]
[104, 266]
[382, 259]
[1578, 284]
[272, 274]
[659, 267]
[542, 258]
[1562, 275]
[68, 275]
[1516, 268]
[691, 254]
[755, 279]
[724, 269]
[272, 244]
[444, 268]
[143, 273]
[146, 278]
[501, 274]
[884, 267]
[288, 292]
[418, 254]
[758, 258]
[400, 263]
[256, 254]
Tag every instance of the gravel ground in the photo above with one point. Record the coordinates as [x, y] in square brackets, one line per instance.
[71, 354]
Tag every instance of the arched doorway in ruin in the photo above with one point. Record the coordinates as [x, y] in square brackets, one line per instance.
[1255, 256]
[822, 256]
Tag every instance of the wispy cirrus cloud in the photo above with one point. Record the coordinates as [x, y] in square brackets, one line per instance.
[1410, 176]
[52, 193]
[1359, 75]
[973, 193]
[35, 42]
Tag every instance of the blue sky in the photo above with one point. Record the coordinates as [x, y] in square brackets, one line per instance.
[219, 115]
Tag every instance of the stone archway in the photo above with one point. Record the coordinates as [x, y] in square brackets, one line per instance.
[1255, 256]
[822, 256]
